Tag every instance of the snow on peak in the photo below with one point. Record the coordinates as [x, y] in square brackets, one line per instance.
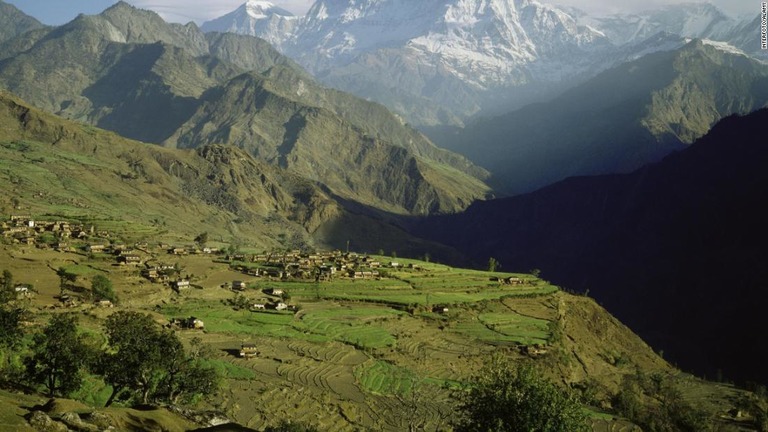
[724, 46]
[261, 9]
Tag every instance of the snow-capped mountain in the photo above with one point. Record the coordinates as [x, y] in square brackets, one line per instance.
[486, 43]
[256, 18]
[442, 61]
[692, 20]
[431, 60]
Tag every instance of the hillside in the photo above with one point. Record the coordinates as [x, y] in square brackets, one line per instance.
[60, 168]
[680, 241]
[128, 71]
[350, 353]
[13, 22]
[361, 352]
[618, 121]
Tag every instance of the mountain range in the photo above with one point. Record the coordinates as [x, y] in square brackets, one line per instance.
[441, 62]
[674, 249]
[618, 121]
[128, 71]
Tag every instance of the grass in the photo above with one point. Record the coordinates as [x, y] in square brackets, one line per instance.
[94, 392]
[230, 370]
[220, 318]
[383, 378]
[521, 329]
[434, 284]
[80, 270]
[344, 325]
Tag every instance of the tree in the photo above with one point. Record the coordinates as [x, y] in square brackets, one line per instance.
[10, 327]
[186, 378]
[59, 356]
[148, 363]
[202, 239]
[102, 288]
[492, 264]
[505, 398]
[65, 279]
[655, 404]
[6, 287]
[135, 357]
[11, 334]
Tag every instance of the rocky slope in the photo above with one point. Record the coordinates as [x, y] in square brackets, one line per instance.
[220, 189]
[13, 22]
[128, 71]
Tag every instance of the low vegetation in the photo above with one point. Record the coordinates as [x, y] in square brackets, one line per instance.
[391, 343]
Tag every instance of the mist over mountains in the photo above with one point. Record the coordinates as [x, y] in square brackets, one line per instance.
[441, 62]
[618, 121]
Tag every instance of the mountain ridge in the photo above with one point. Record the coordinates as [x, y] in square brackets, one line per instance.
[129, 71]
[661, 241]
[443, 62]
[623, 118]
[14, 22]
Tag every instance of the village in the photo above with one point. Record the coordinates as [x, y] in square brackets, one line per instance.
[158, 263]
[267, 277]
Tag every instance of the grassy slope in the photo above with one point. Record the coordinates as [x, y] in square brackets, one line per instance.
[343, 364]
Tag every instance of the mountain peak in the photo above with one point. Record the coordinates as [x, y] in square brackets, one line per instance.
[261, 9]
[14, 22]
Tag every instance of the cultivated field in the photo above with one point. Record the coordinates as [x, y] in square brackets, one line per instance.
[376, 354]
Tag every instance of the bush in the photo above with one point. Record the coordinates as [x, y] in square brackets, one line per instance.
[102, 288]
[508, 398]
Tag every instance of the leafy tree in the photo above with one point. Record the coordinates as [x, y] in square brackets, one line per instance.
[10, 327]
[652, 402]
[7, 292]
[59, 356]
[65, 279]
[202, 239]
[186, 378]
[134, 360]
[11, 334]
[102, 288]
[149, 363]
[492, 264]
[507, 398]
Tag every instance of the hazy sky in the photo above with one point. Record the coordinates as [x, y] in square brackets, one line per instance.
[61, 11]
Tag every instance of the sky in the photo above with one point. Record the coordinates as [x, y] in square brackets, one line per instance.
[56, 12]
